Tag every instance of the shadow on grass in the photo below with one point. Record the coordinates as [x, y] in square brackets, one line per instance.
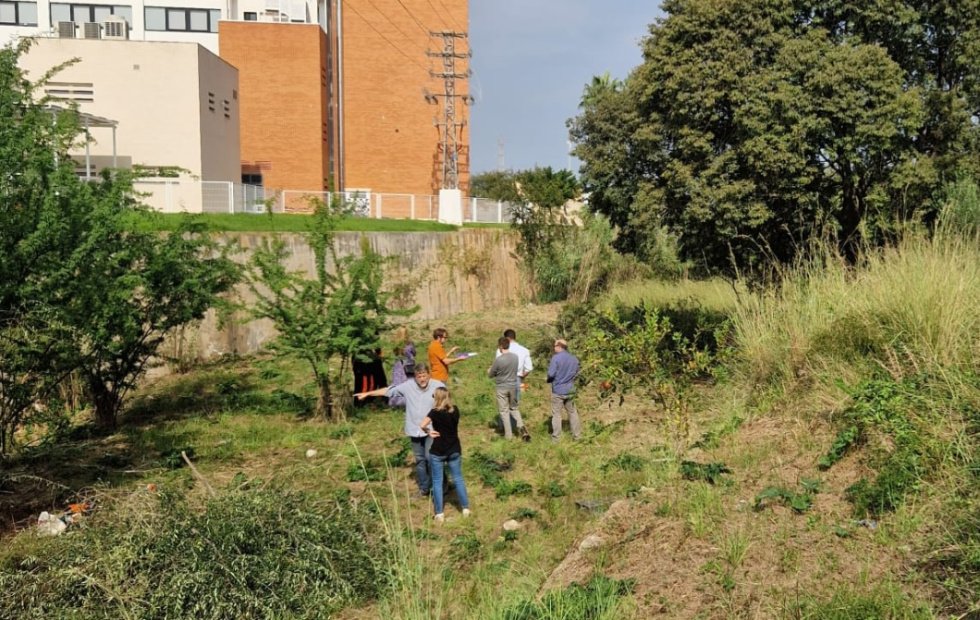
[149, 440]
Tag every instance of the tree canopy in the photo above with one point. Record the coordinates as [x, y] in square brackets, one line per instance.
[81, 291]
[753, 126]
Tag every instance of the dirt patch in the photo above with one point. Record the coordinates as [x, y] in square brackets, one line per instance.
[718, 556]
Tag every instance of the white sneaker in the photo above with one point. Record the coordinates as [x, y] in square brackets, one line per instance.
[439, 518]
[466, 512]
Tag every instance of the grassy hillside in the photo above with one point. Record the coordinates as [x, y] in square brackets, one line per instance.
[824, 465]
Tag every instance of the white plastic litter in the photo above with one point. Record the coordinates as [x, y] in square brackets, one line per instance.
[310, 453]
[49, 525]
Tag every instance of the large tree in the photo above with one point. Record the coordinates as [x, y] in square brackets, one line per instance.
[80, 289]
[754, 125]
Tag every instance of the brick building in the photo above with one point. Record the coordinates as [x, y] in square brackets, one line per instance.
[350, 102]
[330, 93]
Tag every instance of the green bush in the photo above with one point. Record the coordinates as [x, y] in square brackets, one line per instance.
[249, 553]
[625, 462]
[598, 599]
[578, 262]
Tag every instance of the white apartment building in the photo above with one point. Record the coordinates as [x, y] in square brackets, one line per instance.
[187, 21]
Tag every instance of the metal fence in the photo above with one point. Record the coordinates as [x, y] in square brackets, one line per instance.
[175, 195]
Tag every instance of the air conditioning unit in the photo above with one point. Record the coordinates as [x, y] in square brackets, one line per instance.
[92, 30]
[115, 28]
[66, 30]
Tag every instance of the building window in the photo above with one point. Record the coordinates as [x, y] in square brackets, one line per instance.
[181, 20]
[251, 16]
[87, 13]
[18, 13]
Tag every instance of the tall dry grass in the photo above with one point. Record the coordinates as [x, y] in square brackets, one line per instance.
[914, 307]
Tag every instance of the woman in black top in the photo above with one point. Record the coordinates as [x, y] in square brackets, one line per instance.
[442, 424]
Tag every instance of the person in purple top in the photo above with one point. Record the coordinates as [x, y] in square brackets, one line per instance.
[404, 367]
[562, 371]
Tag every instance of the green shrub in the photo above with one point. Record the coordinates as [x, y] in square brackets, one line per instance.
[368, 470]
[600, 598]
[553, 489]
[465, 548]
[506, 488]
[249, 553]
[625, 462]
[799, 502]
[706, 472]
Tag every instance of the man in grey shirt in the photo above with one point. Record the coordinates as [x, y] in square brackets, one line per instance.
[504, 374]
[562, 372]
[418, 393]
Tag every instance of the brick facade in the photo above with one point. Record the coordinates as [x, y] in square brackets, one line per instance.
[283, 96]
[390, 142]
[292, 98]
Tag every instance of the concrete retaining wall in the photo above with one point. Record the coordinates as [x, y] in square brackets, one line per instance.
[443, 273]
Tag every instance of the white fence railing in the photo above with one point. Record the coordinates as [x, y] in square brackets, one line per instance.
[176, 195]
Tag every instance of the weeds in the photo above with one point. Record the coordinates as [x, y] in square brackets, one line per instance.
[252, 552]
[553, 489]
[599, 599]
[887, 409]
[848, 603]
[706, 472]
[367, 470]
[625, 462]
[799, 502]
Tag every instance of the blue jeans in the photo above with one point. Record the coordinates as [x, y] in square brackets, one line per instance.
[455, 463]
[420, 450]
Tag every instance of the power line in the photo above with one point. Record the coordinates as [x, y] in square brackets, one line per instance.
[390, 21]
[380, 34]
[412, 15]
[450, 14]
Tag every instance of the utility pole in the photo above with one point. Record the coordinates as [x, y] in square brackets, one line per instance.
[501, 163]
[450, 126]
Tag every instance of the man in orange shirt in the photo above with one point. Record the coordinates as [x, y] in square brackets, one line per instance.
[439, 358]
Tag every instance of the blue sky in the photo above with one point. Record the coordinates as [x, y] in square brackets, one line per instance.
[531, 59]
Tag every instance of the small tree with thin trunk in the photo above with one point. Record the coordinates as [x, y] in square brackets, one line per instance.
[327, 319]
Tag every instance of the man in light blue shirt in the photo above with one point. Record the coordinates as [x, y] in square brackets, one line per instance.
[418, 394]
[562, 371]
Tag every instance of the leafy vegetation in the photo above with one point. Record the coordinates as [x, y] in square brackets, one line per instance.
[82, 294]
[707, 472]
[334, 317]
[278, 223]
[800, 502]
[752, 128]
[600, 598]
[252, 551]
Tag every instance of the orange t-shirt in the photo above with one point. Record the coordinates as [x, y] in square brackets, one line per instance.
[438, 369]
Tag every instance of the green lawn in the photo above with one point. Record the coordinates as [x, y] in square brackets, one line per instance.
[243, 222]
